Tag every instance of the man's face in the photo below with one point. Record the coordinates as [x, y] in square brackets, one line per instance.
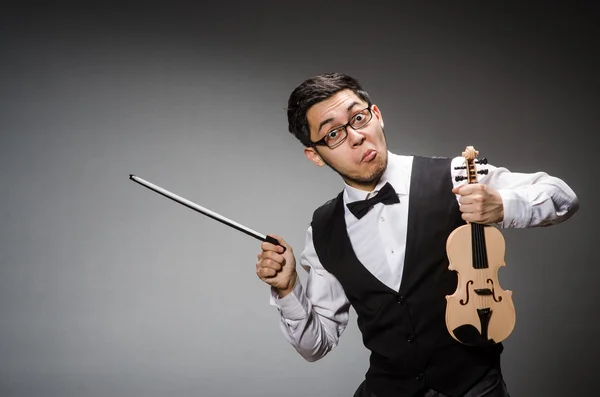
[362, 157]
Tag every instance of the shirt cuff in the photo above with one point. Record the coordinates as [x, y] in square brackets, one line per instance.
[293, 306]
[517, 212]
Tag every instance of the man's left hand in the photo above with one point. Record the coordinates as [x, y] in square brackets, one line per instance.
[480, 203]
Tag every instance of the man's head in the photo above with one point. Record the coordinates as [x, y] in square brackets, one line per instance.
[332, 115]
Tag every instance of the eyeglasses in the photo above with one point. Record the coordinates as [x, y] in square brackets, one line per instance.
[338, 135]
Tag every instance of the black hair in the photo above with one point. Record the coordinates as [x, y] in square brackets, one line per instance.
[315, 90]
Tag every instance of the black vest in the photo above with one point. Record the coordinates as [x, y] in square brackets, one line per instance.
[405, 330]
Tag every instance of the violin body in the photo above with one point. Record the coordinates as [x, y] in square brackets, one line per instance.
[479, 312]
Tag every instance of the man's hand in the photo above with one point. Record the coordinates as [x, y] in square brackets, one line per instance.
[480, 203]
[277, 268]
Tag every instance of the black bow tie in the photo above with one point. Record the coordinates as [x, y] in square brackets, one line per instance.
[387, 195]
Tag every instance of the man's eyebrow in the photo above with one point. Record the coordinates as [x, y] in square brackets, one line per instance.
[352, 105]
[331, 119]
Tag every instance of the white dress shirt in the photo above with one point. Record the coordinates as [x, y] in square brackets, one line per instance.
[313, 319]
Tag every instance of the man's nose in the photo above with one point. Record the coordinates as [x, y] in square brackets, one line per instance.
[355, 137]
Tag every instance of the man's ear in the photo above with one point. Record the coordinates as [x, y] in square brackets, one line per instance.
[313, 156]
[377, 114]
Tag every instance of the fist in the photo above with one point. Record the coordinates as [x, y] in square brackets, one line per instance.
[276, 267]
[480, 203]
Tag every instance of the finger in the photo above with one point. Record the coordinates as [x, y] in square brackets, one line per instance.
[456, 190]
[476, 218]
[466, 200]
[467, 217]
[276, 237]
[281, 243]
[473, 206]
[265, 273]
[266, 246]
[466, 190]
[274, 256]
[467, 209]
[271, 264]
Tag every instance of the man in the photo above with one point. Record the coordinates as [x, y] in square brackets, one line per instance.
[388, 259]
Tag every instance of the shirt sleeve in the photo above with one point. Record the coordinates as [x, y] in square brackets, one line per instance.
[313, 320]
[529, 199]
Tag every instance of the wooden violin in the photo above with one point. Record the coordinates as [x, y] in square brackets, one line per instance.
[479, 312]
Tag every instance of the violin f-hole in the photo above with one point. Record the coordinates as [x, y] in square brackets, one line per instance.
[499, 299]
[462, 301]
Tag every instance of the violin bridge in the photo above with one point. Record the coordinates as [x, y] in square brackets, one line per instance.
[483, 291]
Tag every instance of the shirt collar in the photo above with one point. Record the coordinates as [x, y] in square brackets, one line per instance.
[395, 173]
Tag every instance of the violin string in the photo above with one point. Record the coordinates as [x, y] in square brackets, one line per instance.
[480, 267]
[488, 298]
[480, 252]
[485, 301]
[485, 265]
[477, 238]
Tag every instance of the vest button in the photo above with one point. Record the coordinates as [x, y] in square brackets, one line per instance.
[419, 377]
[411, 338]
[401, 299]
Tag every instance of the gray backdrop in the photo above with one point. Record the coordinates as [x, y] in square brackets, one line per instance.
[108, 289]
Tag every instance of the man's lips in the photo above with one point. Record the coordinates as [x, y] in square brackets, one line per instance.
[369, 155]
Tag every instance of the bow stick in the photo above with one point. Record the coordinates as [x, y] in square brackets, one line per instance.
[204, 211]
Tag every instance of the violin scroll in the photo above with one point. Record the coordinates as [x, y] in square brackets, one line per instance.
[470, 153]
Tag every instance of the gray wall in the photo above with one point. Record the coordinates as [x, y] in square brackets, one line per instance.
[108, 289]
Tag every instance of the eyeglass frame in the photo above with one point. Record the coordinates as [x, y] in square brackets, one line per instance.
[321, 142]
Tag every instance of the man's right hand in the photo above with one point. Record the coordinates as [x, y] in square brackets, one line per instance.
[277, 268]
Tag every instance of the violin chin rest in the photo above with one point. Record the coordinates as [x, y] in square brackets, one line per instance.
[468, 334]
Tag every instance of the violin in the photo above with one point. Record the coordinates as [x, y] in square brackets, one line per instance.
[479, 312]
